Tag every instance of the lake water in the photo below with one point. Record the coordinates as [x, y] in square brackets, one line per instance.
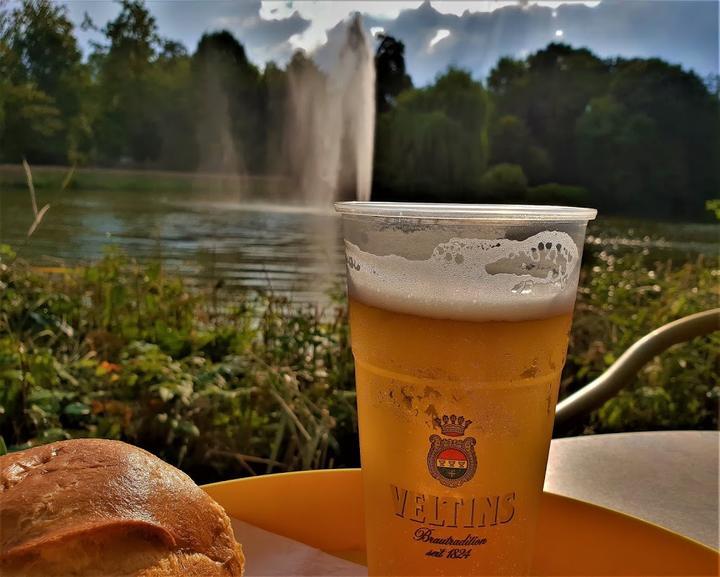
[291, 249]
[206, 236]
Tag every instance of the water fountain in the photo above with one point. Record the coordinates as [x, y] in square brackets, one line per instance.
[332, 122]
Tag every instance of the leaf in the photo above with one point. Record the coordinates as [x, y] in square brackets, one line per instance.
[38, 219]
[54, 434]
[65, 328]
[31, 186]
[38, 318]
[188, 428]
[609, 359]
[76, 409]
[68, 177]
[677, 305]
[39, 395]
[65, 375]
[12, 375]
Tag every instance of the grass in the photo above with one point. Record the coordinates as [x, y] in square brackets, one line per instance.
[13, 177]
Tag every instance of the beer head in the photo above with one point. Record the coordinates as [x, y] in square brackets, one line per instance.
[464, 262]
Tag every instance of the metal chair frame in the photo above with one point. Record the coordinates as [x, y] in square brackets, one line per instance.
[607, 385]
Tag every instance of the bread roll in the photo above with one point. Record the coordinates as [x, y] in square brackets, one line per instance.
[96, 508]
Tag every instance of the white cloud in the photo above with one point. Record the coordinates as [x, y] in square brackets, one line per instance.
[638, 28]
[459, 7]
[479, 32]
[439, 35]
[324, 14]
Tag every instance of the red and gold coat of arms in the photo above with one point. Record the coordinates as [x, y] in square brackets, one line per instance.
[451, 459]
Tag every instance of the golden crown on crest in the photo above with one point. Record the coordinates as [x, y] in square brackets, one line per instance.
[452, 426]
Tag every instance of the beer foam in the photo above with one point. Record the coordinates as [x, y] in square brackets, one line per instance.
[472, 279]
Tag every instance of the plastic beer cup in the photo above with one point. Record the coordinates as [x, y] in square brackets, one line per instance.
[459, 320]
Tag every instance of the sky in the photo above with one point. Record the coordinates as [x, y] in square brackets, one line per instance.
[471, 34]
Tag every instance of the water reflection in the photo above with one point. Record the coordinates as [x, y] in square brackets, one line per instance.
[292, 249]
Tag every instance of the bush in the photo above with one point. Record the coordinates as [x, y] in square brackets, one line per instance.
[125, 352]
[553, 193]
[504, 181]
[621, 299]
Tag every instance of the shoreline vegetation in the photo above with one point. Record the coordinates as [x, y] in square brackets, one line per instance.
[51, 178]
[54, 180]
[127, 351]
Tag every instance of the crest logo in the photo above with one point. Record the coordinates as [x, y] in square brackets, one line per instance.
[451, 459]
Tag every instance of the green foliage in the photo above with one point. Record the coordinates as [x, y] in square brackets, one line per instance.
[549, 92]
[228, 106]
[31, 113]
[634, 145]
[714, 207]
[128, 182]
[128, 101]
[391, 79]
[436, 137]
[635, 135]
[621, 299]
[504, 181]
[274, 91]
[510, 140]
[41, 83]
[553, 193]
[512, 143]
[125, 352]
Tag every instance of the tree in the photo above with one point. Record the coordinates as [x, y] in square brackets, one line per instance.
[275, 96]
[511, 142]
[549, 92]
[170, 90]
[126, 124]
[685, 134]
[507, 82]
[229, 107]
[391, 79]
[557, 194]
[435, 140]
[644, 147]
[29, 119]
[504, 182]
[43, 83]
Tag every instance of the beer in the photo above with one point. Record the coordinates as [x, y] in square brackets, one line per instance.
[459, 320]
[503, 378]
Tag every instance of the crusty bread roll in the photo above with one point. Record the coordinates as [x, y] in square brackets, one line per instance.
[96, 508]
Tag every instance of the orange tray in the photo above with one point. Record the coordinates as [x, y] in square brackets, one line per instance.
[324, 509]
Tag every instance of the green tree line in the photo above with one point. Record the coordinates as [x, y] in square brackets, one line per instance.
[630, 136]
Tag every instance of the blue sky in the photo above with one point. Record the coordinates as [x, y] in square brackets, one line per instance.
[471, 33]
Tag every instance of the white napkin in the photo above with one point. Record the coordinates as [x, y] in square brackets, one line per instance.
[269, 554]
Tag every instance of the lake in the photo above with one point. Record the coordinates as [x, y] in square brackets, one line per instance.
[291, 249]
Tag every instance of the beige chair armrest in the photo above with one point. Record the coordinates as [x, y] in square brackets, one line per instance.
[593, 395]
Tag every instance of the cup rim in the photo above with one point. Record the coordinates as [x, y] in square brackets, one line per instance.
[455, 211]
